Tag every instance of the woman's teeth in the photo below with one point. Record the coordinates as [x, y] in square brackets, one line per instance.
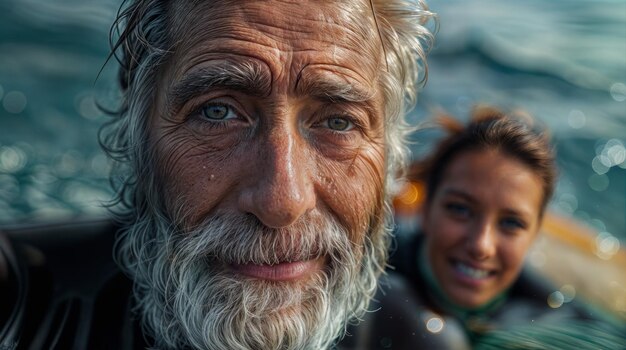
[471, 272]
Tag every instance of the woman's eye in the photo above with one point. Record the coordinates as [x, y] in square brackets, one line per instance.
[339, 124]
[511, 224]
[217, 111]
[458, 210]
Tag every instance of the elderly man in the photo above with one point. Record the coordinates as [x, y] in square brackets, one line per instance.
[257, 141]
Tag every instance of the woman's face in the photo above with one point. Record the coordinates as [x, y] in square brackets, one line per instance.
[479, 224]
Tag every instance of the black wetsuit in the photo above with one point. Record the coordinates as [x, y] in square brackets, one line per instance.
[409, 316]
[63, 290]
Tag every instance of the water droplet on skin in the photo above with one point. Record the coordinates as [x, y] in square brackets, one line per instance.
[212, 177]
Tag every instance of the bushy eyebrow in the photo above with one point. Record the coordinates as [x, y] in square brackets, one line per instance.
[331, 87]
[255, 79]
[243, 76]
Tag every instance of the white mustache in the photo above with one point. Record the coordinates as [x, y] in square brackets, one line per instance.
[236, 239]
[187, 299]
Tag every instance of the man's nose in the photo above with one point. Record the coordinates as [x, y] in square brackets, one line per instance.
[281, 189]
[482, 241]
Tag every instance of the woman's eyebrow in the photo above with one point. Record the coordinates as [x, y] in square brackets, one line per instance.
[451, 191]
[518, 212]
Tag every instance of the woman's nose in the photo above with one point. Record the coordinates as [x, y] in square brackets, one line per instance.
[482, 241]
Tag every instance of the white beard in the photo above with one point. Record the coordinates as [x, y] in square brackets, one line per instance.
[187, 298]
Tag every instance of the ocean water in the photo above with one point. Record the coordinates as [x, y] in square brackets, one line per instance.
[563, 61]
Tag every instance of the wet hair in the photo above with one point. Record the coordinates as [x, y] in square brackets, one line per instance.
[490, 129]
[142, 43]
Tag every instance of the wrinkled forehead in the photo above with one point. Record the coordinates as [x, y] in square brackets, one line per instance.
[284, 34]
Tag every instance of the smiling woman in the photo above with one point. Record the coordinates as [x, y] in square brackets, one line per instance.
[487, 186]
[479, 224]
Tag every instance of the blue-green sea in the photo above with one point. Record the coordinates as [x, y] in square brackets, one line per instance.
[563, 61]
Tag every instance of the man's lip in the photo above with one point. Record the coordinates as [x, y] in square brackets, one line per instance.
[280, 272]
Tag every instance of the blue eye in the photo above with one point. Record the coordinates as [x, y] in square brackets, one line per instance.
[217, 111]
[339, 124]
[458, 210]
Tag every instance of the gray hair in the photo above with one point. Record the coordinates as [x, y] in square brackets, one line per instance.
[144, 45]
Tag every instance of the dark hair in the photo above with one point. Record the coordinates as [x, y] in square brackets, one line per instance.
[490, 129]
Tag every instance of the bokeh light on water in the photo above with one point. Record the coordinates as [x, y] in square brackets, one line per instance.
[607, 245]
[12, 159]
[51, 166]
[576, 119]
[564, 295]
[14, 102]
[618, 92]
[556, 299]
[598, 182]
[567, 203]
[435, 325]
[569, 292]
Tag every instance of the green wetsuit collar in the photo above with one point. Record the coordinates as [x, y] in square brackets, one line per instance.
[441, 300]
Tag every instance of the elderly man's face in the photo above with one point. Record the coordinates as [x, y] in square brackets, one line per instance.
[268, 131]
[272, 109]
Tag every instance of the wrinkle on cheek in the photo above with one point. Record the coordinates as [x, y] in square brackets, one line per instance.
[180, 160]
[367, 177]
[354, 191]
[369, 162]
[185, 142]
[171, 153]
